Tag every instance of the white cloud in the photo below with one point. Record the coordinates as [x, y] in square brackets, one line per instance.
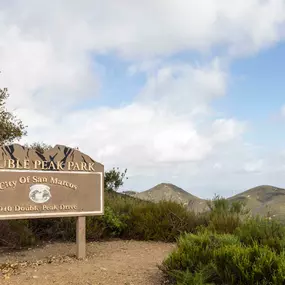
[185, 88]
[254, 166]
[227, 129]
[170, 129]
[148, 28]
[217, 165]
[38, 77]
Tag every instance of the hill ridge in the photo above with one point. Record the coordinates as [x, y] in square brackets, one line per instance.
[169, 185]
[171, 192]
[261, 200]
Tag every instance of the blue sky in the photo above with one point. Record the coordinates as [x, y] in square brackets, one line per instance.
[254, 94]
[258, 87]
[124, 87]
[168, 89]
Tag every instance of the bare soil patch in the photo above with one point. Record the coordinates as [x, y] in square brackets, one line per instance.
[107, 263]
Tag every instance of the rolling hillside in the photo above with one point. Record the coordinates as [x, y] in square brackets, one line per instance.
[167, 191]
[263, 200]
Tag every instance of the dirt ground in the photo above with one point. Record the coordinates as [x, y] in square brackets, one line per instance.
[107, 263]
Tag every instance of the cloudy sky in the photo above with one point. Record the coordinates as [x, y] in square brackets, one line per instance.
[182, 91]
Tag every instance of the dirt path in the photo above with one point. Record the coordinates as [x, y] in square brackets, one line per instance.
[108, 263]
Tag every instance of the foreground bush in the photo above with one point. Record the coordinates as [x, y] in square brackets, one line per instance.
[194, 251]
[210, 258]
[263, 232]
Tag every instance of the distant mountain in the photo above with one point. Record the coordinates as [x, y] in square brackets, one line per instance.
[263, 200]
[167, 191]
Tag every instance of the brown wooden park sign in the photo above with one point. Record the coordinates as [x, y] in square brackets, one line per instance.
[61, 182]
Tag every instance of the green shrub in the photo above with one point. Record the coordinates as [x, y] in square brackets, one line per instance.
[194, 251]
[222, 259]
[264, 232]
[109, 225]
[163, 221]
[53, 229]
[196, 278]
[238, 264]
[16, 234]
[225, 216]
[224, 223]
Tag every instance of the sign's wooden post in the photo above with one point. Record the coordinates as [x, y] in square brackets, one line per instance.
[81, 237]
